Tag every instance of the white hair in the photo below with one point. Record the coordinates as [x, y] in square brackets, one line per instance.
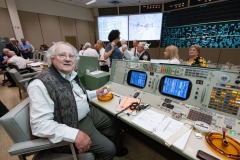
[124, 47]
[87, 45]
[123, 41]
[12, 39]
[51, 52]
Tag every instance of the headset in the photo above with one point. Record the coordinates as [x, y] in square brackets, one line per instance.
[134, 106]
[147, 46]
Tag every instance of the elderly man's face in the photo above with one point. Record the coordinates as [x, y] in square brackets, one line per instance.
[140, 48]
[135, 43]
[64, 59]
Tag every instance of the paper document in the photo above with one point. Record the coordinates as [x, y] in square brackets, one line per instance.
[95, 72]
[35, 64]
[181, 142]
[166, 128]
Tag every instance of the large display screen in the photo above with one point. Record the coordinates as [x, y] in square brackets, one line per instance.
[179, 88]
[137, 79]
[108, 23]
[145, 26]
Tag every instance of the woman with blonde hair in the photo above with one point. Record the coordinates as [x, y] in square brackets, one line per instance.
[194, 58]
[171, 53]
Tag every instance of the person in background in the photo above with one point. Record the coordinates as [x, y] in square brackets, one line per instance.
[194, 58]
[171, 53]
[104, 64]
[44, 47]
[142, 53]
[134, 49]
[123, 41]
[13, 46]
[26, 49]
[112, 51]
[89, 51]
[60, 110]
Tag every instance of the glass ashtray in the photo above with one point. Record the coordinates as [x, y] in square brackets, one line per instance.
[215, 141]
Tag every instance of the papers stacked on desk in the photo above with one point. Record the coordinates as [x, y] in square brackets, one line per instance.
[164, 127]
[35, 64]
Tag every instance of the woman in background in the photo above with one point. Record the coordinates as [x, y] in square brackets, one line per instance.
[194, 58]
[171, 53]
[112, 51]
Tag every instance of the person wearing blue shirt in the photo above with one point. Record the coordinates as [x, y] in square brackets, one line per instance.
[26, 49]
[112, 51]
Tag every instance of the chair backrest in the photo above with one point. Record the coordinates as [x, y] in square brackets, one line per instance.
[16, 76]
[17, 124]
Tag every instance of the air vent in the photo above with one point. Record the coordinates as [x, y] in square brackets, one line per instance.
[115, 2]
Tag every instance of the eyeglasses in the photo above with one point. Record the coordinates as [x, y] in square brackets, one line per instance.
[63, 56]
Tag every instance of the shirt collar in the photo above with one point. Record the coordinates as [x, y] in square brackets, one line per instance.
[69, 78]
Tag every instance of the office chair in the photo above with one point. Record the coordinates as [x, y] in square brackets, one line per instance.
[21, 80]
[16, 123]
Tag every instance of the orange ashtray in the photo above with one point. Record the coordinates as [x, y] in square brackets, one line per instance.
[215, 141]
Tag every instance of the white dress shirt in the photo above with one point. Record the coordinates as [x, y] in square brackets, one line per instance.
[42, 109]
[102, 50]
[132, 51]
[18, 61]
[90, 52]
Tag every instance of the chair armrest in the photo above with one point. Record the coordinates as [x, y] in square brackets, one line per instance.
[24, 80]
[33, 146]
[29, 74]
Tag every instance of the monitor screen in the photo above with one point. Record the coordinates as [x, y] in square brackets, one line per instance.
[137, 78]
[175, 87]
[107, 23]
[145, 26]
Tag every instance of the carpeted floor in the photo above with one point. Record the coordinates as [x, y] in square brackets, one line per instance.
[140, 147]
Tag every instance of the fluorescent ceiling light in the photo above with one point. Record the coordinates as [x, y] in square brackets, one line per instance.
[90, 2]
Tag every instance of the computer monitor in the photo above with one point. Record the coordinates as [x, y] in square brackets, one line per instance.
[137, 78]
[175, 87]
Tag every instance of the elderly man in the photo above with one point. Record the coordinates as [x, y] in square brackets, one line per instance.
[17, 61]
[89, 51]
[142, 53]
[134, 49]
[104, 64]
[59, 108]
[13, 46]
[26, 49]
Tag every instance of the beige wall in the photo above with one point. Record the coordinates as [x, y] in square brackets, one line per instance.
[31, 28]
[6, 29]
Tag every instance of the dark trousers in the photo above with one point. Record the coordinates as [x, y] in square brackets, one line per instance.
[27, 55]
[104, 133]
[3, 109]
[105, 68]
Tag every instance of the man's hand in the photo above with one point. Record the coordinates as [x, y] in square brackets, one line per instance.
[102, 91]
[82, 142]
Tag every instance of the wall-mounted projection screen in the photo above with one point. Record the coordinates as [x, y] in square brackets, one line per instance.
[145, 26]
[108, 23]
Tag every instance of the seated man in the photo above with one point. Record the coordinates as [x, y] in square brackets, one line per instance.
[59, 108]
[15, 61]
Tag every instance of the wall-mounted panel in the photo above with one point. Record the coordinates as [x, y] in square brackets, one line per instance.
[83, 32]
[5, 25]
[31, 28]
[50, 29]
[229, 55]
[68, 27]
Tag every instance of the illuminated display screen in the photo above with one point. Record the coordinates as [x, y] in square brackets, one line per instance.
[175, 87]
[137, 79]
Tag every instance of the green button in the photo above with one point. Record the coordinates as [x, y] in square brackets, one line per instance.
[233, 132]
